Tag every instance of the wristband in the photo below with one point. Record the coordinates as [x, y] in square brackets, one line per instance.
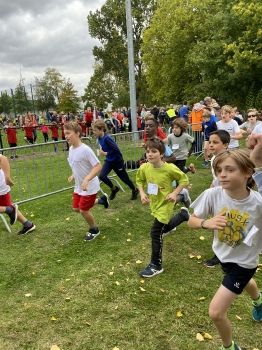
[258, 170]
[202, 223]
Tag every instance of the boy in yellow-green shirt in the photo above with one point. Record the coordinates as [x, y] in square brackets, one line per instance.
[159, 176]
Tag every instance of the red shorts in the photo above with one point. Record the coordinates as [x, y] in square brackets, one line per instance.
[83, 202]
[5, 200]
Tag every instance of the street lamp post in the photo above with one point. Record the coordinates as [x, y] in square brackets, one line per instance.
[131, 67]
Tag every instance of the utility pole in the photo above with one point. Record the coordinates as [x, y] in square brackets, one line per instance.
[131, 67]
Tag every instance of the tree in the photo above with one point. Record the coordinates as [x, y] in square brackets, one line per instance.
[207, 47]
[48, 89]
[68, 99]
[23, 102]
[108, 25]
[5, 103]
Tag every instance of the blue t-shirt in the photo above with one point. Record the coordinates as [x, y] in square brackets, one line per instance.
[183, 110]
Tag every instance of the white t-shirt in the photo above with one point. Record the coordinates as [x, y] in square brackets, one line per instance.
[232, 128]
[258, 129]
[4, 188]
[240, 241]
[82, 160]
[179, 144]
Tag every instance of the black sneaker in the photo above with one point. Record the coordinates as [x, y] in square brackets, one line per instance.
[91, 234]
[13, 214]
[151, 270]
[113, 193]
[12, 157]
[26, 229]
[16, 156]
[212, 262]
[134, 194]
[104, 198]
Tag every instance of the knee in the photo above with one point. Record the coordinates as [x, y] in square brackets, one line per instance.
[215, 314]
[77, 210]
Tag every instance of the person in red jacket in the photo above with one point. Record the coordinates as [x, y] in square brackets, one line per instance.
[54, 129]
[29, 136]
[88, 121]
[11, 131]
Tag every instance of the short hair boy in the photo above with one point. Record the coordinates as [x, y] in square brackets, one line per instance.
[85, 168]
[159, 176]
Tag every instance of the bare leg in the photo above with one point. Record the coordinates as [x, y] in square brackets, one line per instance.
[218, 309]
[252, 290]
[89, 218]
[20, 217]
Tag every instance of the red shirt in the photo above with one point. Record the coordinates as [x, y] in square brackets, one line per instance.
[54, 130]
[11, 135]
[88, 117]
[28, 131]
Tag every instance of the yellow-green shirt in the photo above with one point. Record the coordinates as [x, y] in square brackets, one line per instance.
[163, 177]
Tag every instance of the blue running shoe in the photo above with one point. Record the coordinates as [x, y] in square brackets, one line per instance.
[257, 311]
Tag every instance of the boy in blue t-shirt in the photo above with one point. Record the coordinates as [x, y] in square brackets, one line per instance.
[208, 125]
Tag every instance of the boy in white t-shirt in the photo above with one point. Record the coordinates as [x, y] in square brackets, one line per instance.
[230, 125]
[85, 167]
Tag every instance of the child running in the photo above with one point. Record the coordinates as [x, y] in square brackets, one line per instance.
[178, 141]
[208, 125]
[218, 142]
[85, 167]
[6, 205]
[237, 242]
[114, 160]
[54, 130]
[158, 176]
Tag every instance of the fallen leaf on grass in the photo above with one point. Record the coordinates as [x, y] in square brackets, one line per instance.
[67, 219]
[162, 290]
[67, 299]
[33, 273]
[111, 273]
[199, 257]
[120, 265]
[201, 238]
[179, 314]
[207, 336]
[199, 337]
[128, 240]
[117, 219]
[103, 237]
[28, 295]
[117, 283]
[191, 256]
[143, 248]
[88, 324]
[53, 318]
[128, 263]
[32, 215]
[138, 262]
[142, 281]
[54, 347]
[202, 298]
[129, 234]
[115, 348]
[142, 289]
[239, 318]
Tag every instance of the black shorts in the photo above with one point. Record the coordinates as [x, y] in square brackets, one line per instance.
[88, 125]
[236, 277]
[13, 144]
[29, 139]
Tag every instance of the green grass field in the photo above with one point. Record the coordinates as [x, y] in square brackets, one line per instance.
[56, 289]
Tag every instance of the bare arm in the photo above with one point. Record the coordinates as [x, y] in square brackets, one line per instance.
[6, 169]
[216, 223]
[94, 172]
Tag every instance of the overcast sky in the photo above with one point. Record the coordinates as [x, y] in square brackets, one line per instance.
[35, 35]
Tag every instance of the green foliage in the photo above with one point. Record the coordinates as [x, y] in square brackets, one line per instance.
[108, 25]
[203, 48]
[22, 100]
[5, 103]
[68, 99]
[48, 89]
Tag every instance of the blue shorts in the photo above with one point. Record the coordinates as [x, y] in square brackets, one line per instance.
[236, 277]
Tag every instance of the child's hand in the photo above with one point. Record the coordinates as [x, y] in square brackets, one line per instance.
[142, 144]
[144, 199]
[171, 197]
[187, 155]
[71, 178]
[218, 222]
[9, 182]
[102, 153]
[85, 184]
